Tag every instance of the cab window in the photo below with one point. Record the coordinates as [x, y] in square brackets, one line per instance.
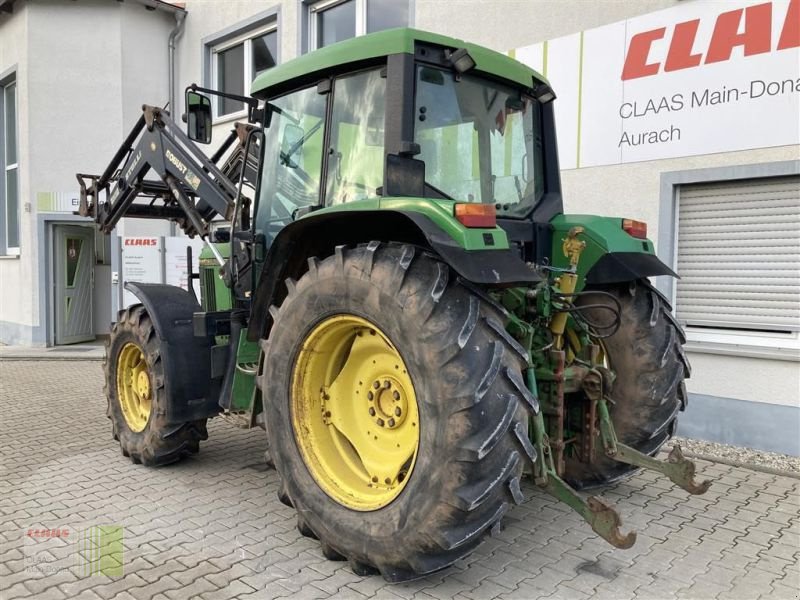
[292, 159]
[355, 154]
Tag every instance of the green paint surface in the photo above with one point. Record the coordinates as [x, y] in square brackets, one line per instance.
[438, 211]
[602, 236]
[244, 384]
[214, 295]
[384, 43]
[207, 256]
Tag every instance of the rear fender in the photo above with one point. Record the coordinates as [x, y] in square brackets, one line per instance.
[319, 234]
[191, 391]
[611, 254]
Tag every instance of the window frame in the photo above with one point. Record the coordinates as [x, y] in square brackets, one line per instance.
[776, 345]
[317, 8]
[313, 8]
[327, 158]
[245, 38]
[7, 81]
[258, 197]
[250, 27]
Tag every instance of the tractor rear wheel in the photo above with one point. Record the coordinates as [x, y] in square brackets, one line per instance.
[646, 354]
[137, 397]
[396, 411]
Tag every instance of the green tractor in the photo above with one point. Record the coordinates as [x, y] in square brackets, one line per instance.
[391, 290]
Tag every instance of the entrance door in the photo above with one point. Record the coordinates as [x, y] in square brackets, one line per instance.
[73, 260]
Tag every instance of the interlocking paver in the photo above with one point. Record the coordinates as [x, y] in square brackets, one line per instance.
[194, 589]
[212, 527]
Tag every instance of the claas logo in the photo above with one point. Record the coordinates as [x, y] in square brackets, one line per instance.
[750, 27]
[141, 242]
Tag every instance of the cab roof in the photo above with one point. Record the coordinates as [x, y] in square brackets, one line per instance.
[392, 41]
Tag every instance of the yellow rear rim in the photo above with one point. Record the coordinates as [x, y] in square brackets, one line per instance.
[133, 387]
[354, 412]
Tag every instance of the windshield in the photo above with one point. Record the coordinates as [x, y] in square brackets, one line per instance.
[479, 140]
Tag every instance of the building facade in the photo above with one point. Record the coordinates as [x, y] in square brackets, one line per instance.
[73, 77]
[717, 178]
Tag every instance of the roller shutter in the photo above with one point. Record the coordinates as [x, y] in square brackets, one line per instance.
[739, 254]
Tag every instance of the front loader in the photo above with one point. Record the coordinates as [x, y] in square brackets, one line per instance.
[391, 290]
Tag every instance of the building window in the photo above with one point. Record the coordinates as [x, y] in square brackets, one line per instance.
[238, 61]
[738, 256]
[9, 186]
[332, 21]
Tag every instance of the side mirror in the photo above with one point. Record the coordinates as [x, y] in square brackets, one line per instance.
[198, 122]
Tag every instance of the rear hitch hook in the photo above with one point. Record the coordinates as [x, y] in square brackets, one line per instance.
[679, 469]
[684, 473]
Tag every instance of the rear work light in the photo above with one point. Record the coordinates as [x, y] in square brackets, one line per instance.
[637, 229]
[476, 215]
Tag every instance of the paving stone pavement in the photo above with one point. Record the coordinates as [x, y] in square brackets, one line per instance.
[211, 527]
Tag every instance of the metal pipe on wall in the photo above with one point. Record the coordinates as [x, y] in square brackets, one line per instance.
[180, 20]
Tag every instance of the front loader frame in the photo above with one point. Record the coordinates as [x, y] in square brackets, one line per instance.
[191, 187]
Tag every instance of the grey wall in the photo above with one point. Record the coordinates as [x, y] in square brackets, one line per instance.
[758, 425]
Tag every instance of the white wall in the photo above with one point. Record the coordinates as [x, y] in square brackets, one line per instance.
[506, 24]
[107, 78]
[16, 276]
[84, 70]
[145, 73]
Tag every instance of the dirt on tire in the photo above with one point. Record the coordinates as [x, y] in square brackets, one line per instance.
[160, 442]
[646, 354]
[473, 409]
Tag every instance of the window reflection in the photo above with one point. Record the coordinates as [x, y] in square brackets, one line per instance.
[355, 158]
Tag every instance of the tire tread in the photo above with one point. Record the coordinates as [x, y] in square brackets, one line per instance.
[490, 458]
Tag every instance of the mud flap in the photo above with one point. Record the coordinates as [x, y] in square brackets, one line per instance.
[191, 391]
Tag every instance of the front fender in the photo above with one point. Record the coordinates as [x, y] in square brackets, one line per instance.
[191, 392]
[611, 255]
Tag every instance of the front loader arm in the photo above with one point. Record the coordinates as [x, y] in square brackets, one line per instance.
[190, 190]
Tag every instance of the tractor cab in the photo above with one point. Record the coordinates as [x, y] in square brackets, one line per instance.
[405, 118]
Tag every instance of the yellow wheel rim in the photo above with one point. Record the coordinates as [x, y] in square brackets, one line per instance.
[133, 387]
[354, 412]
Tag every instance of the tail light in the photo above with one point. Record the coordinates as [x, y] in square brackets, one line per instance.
[637, 229]
[476, 215]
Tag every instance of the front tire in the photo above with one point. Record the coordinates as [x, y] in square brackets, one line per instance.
[470, 404]
[137, 398]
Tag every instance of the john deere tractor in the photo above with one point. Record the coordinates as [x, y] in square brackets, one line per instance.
[391, 290]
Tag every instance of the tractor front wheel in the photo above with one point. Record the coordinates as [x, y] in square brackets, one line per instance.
[137, 395]
[396, 412]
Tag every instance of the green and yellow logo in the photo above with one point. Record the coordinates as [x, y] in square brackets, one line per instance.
[101, 551]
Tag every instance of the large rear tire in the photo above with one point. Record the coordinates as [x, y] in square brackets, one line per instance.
[349, 313]
[646, 354]
[137, 398]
